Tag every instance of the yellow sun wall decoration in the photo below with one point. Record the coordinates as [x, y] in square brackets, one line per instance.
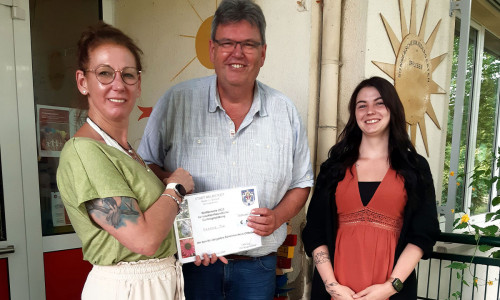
[412, 70]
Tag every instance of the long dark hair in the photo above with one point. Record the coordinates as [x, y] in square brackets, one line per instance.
[402, 153]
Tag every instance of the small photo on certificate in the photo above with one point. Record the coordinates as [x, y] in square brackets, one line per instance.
[187, 248]
[216, 222]
[184, 213]
[184, 229]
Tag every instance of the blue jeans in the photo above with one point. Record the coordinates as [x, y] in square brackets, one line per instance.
[253, 279]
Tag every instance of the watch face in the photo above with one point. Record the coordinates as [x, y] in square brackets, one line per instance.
[181, 189]
[397, 284]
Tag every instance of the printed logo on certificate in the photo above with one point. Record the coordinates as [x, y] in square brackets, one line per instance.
[216, 222]
[248, 197]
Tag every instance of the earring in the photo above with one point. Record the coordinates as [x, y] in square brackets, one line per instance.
[84, 92]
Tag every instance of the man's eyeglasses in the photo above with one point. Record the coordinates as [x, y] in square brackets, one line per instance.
[230, 45]
[105, 74]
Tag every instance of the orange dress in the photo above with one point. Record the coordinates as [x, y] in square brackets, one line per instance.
[367, 235]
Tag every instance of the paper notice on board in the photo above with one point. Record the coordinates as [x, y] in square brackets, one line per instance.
[55, 125]
[59, 215]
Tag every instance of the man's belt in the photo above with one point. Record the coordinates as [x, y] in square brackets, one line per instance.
[244, 257]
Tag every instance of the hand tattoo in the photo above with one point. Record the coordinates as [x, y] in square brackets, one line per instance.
[330, 288]
[114, 215]
[321, 257]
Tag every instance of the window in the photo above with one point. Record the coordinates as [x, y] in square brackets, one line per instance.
[479, 136]
[53, 46]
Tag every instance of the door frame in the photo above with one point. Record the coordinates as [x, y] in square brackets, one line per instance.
[11, 163]
[26, 278]
[29, 164]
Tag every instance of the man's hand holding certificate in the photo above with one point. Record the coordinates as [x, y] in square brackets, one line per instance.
[216, 222]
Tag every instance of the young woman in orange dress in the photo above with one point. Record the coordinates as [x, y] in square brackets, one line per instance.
[373, 213]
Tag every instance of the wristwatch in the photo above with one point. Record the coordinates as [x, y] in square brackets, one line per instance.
[178, 188]
[397, 285]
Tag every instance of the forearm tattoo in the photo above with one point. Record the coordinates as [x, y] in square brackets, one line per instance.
[107, 210]
[330, 288]
[321, 257]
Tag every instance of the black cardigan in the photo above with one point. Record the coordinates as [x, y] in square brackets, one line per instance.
[420, 226]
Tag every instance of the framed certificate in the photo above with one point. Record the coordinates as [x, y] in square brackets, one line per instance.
[216, 222]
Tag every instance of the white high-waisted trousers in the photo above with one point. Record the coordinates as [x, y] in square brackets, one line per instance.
[154, 279]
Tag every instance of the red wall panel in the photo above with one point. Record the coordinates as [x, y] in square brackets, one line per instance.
[65, 274]
[4, 279]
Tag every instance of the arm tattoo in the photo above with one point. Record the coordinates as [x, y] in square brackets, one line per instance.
[321, 257]
[108, 209]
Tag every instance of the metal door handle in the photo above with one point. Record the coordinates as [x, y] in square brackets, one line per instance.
[7, 250]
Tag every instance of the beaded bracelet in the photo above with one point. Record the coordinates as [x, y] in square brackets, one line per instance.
[176, 201]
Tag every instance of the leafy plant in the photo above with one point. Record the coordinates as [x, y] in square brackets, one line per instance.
[479, 177]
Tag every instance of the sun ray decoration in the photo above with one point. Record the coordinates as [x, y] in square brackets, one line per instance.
[412, 71]
[201, 46]
[201, 42]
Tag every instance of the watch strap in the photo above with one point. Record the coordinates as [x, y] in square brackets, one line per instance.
[173, 186]
[396, 284]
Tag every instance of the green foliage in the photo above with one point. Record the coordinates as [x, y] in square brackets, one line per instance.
[485, 248]
[456, 295]
[458, 266]
[496, 200]
[478, 231]
[490, 230]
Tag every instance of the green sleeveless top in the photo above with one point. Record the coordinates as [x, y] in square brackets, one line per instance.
[89, 170]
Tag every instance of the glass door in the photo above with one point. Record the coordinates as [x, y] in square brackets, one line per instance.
[56, 27]
[57, 102]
